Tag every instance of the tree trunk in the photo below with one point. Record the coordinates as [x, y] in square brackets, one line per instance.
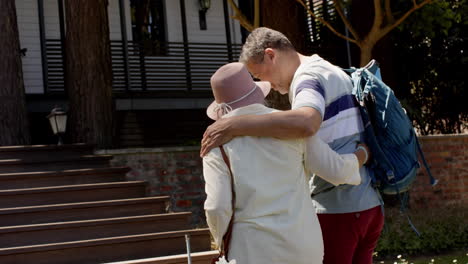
[88, 71]
[14, 128]
[366, 54]
[289, 18]
[362, 17]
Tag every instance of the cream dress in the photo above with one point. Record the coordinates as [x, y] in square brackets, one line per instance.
[275, 220]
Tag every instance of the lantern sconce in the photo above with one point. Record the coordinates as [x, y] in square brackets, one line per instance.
[58, 122]
[204, 6]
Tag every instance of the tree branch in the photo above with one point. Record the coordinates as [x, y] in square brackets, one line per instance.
[257, 14]
[378, 18]
[339, 8]
[243, 21]
[330, 27]
[388, 12]
[390, 27]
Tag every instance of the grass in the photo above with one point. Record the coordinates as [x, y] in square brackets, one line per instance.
[459, 257]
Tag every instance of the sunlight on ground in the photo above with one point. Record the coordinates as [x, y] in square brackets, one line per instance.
[458, 258]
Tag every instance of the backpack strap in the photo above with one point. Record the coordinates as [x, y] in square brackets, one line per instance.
[358, 76]
[432, 180]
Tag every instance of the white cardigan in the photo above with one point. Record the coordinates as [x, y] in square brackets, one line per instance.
[275, 219]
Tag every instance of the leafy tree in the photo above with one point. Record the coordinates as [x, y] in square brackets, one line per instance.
[432, 62]
[423, 56]
[385, 18]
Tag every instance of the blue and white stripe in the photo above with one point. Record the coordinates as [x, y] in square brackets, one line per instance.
[325, 87]
[340, 116]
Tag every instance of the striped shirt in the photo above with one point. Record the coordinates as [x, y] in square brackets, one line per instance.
[326, 88]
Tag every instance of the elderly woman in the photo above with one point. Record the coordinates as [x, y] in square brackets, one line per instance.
[275, 221]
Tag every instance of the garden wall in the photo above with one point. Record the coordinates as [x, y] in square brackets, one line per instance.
[177, 172]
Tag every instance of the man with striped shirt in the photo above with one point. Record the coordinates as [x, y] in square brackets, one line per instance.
[320, 94]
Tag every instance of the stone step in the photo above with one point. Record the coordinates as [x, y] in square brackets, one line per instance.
[83, 211]
[72, 194]
[108, 249]
[16, 236]
[46, 163]
[204, 257]
[57, 178]
[37, 151]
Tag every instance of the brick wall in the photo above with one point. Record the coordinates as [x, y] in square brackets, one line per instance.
[177, 172]
[447, 156]
[173, 171]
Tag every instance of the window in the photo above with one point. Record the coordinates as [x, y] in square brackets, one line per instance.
[149, 26]
[323, 9]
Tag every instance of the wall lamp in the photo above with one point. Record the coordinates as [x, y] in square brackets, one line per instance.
[204, 6]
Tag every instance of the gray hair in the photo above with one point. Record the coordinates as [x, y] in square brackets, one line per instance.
[260, 39]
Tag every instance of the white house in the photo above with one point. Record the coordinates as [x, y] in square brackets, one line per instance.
[155, 59]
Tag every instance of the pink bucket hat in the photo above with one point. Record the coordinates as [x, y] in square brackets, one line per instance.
[233, 87]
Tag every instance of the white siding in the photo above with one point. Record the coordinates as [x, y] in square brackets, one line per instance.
[114, 20]
[51, 19]
[128, 18]
[235, 27]
[173, 21]
[28, 26]
[216, 31]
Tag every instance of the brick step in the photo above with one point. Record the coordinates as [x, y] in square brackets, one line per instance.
[37, 151]
[72, 194]
[83, 211]
[45, 163]
[204, 257]
[108, 249]
[16, 236]
[58, 178]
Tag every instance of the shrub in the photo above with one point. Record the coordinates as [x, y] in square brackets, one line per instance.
[441, 229]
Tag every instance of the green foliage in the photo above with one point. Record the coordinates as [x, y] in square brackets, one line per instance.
[431, 20]
[429, 60]
[432, 63]
[441, 229]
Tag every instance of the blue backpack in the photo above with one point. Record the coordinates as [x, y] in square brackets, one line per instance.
[389, 133]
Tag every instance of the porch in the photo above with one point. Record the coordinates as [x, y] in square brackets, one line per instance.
[180, 70]
[163, 55]
[161, 83]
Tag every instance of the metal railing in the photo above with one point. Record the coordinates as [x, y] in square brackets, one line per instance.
[169, 66]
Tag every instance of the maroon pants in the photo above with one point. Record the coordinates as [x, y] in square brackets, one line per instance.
[352, 237]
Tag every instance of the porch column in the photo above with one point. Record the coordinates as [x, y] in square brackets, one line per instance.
[62, 42]
[186, 46]
[228, 30]
[123, 31]
[45, 74]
